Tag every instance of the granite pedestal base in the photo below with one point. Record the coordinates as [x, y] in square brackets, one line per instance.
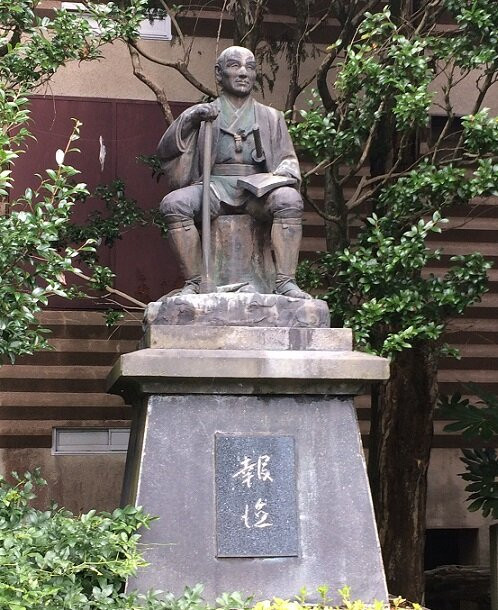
[252, 459]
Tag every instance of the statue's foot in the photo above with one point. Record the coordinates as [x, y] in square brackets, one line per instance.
[239, 287]
[190, 287]
[287, 287]
[248, 287]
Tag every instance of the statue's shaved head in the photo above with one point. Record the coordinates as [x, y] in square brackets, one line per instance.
[230, 52]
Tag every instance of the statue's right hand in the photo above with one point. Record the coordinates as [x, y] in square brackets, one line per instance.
[201, 112]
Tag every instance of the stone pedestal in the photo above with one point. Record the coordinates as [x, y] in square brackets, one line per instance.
[247, 447]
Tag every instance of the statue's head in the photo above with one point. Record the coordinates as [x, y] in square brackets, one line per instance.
[235, 71]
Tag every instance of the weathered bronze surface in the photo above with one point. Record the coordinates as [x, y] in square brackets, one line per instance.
[247, 138]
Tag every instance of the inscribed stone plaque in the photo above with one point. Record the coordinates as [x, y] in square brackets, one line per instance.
[256, 506]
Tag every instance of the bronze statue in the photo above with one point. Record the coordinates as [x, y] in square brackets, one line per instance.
[253, 170]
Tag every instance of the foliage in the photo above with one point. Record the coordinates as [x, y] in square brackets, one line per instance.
[383, 64]
[302, 603]
[482, 472]
[479, 420]
[120, 214]
[52, 559]
[391, 175]
[33, 264]
[35, 47]
[375, 284]
[472, 420]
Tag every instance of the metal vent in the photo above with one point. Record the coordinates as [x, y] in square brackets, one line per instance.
[67, 441]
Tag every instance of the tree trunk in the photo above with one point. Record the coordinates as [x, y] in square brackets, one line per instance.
[400, 443]
[334, 204]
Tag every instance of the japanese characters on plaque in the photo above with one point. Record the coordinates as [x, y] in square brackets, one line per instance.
[256, 505]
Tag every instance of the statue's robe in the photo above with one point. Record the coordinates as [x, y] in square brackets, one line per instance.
[182, 158]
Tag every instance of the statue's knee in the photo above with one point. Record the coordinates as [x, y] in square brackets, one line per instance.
[286, 202]
[176, 207]
[167, 205]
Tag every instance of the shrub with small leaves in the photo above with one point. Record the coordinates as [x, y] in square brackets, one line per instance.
[35, 264]
[53, 559]
[32, 267]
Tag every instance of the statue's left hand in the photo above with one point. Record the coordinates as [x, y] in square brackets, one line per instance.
[282, 172]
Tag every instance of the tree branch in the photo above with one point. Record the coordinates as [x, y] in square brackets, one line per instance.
[321, 80]
[115, 291]
[179, 66]
[14, 40]
[449, 111]
[488, 82]
[158, 91]
[175, 23]
[366, 150]
[295, 88]
[316, 207]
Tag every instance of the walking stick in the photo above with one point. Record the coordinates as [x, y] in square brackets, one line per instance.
[207, 285]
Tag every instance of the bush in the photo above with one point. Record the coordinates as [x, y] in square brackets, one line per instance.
[54, 559]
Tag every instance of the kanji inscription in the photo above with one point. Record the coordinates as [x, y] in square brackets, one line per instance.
[256, 506]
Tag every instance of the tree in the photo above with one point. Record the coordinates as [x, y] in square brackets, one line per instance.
[33, 266]
[377, 116]
[372, 110]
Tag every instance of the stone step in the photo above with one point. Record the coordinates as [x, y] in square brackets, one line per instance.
[28, 372]
[76, 358]
[73, 400]
[317, 244]
[94, 345]
[62, 406]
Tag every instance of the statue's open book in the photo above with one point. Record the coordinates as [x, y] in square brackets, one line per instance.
[260, 184]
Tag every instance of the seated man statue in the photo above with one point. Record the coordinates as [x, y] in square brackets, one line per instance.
[248, 139]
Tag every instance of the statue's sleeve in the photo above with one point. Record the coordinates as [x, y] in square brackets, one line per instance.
[287, 162]
[178, 154]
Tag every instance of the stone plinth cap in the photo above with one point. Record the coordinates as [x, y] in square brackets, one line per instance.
[236, 371]
[160, 336]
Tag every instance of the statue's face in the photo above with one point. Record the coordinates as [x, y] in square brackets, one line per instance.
[237, 73]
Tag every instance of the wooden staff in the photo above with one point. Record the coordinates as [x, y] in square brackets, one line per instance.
[207, 285]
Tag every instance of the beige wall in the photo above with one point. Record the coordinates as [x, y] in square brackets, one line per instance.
[112, 76]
